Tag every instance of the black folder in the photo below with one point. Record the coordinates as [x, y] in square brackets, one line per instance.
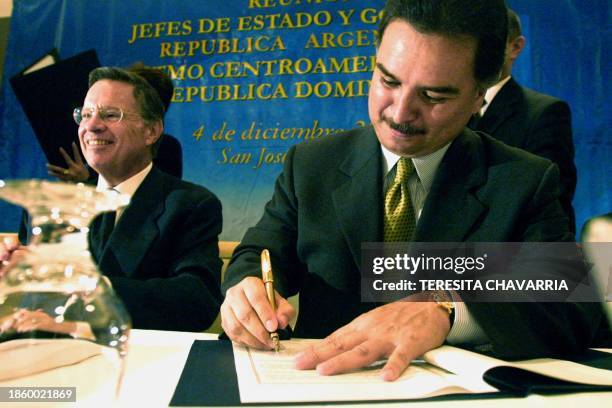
[209, 379]
[522, 382]
[49, 95]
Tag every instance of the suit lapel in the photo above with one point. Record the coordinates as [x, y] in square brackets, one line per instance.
[137, 228]
[452, 209]
[95, 237]
[358, 198]
[503, 107]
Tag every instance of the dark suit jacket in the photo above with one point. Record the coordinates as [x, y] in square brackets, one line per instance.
[328, 200]
[162, 257]
[169, 158]
[539, 124]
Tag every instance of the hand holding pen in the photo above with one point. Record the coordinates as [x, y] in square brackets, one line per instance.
[247, 315]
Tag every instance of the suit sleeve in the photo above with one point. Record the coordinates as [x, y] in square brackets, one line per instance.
[276, 231]
[531, 329]
[188, 299]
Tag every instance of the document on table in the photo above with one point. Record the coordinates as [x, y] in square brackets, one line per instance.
[267, 376]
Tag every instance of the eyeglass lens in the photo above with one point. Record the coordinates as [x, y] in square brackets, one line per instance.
[107, 114]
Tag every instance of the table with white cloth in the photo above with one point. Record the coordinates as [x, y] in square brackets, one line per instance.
[156, 359]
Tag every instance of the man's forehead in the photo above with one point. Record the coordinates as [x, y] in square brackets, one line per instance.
[107, 91]
[404, 49]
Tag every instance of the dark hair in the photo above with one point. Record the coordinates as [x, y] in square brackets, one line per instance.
[147, 99]
[585, 227]
[158, 79]
[484, 20]
[514, 25]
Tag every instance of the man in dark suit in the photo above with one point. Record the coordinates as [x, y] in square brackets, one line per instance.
[521, 117]
[434, 62]
[162, 254]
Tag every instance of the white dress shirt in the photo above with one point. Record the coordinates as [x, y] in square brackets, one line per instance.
[127, 187]
[465, 329]
[491, 92]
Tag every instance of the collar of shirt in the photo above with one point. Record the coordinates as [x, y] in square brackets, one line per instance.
[425, 166]
[491, 92]
[127, 187]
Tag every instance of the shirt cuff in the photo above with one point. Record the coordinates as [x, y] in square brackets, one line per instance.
[465, 329]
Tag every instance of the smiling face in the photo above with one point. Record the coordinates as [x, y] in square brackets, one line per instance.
[116, 150]
[423, 89]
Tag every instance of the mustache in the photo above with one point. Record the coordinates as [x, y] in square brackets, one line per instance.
[405, 128]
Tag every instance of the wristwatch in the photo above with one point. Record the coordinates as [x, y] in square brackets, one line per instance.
[444, 300]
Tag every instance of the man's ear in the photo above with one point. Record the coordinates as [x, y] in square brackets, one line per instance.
[517, 46]
[153, 132]
[479, 100]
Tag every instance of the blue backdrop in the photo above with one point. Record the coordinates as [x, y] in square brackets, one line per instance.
[253, 80]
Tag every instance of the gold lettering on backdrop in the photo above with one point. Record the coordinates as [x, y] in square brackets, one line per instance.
[347, 39]
[254, 132]
[227, 157]
[217, 25]
[201, 79]
[160, 29]
[241, 68]
[284, 21]
[264, 157]
[257, 156]
[345, 15]
[335, 89]
[277, 67]
[267, 157]
[214, 46]
[370, 16]
[198, 133]
[194, 71]
[224, 133]
[234, 92]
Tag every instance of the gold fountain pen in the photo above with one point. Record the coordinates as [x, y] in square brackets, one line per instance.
[268, 280]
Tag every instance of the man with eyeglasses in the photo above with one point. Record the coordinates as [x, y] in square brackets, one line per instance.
[162, 255]
[168, 157]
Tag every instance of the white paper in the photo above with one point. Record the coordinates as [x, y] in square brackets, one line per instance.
[468, 363]
[266, 376]
[44, 62]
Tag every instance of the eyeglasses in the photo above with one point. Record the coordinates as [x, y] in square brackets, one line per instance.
[106, 114]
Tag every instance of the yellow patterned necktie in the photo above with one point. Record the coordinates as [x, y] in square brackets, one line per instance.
[399, 214]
